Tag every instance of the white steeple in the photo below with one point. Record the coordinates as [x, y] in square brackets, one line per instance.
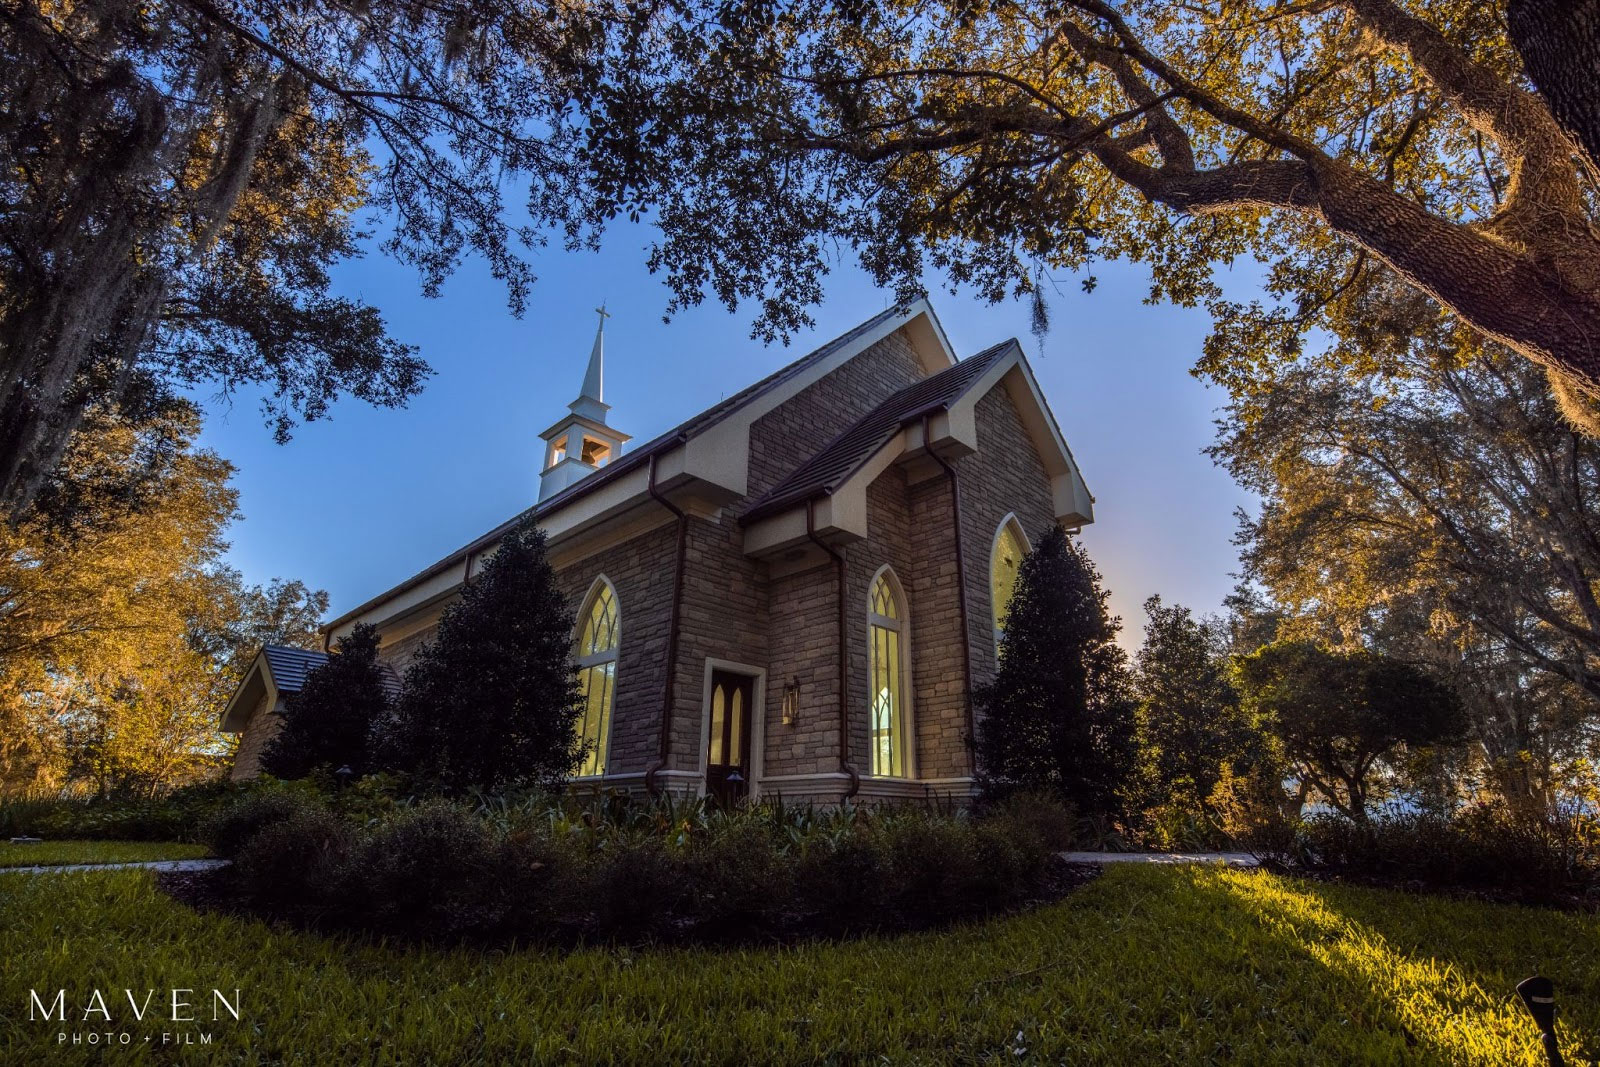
[591, 400]
[581, 442]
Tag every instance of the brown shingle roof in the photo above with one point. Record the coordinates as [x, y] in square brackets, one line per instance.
[844, 455]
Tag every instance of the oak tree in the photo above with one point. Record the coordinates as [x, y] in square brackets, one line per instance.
[1343, 142]
[181, 176]
[1338, 714]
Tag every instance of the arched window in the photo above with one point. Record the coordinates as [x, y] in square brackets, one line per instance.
[886, 663]
[1004, 563]
[596, 659]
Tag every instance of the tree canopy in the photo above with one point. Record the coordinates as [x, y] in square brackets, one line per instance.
[1191, 729]
[1347, 143]
[121, 632]
[1436, 506]
[1337, 714]
[181, 176]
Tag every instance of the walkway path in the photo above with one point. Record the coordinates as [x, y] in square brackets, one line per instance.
[145, 865]
[1228, 859]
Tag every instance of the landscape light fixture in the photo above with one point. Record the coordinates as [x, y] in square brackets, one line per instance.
[1539, 994]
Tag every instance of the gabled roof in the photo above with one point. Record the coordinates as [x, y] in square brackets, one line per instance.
[279, 670]
[637, 458]
[289, 666]
[640, 456]
[844, 455]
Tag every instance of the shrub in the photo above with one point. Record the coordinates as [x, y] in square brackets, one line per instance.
[1483, 849]
[432, 868]
[1037, 817]
[295, 860]
[231, 827]
[933, 868]
[741, 880]
[329, 722]
[177, 816]
[843, 883]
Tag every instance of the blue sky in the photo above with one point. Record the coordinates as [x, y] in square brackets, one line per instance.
[359, 502]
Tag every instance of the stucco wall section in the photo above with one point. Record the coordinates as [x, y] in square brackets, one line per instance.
[259, 728]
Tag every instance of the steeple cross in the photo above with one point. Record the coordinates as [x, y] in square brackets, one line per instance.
[603, 313]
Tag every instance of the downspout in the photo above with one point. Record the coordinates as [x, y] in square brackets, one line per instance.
[844, 652]
[961, 595]
[670, 675]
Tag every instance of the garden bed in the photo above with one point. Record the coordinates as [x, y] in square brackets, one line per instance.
[562, 872]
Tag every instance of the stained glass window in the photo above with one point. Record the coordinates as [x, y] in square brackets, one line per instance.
[887, 713]
[596, 658]
[1008, 552]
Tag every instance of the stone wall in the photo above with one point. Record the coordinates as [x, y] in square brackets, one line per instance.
[724, 616]
[937, 652]
[1006, 475]
[798, 428]
[640, 570]
[260, 727]
[804, 648]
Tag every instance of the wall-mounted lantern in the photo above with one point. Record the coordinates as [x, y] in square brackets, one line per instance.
[791, 701]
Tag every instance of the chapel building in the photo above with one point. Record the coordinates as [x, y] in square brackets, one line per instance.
[793, 593]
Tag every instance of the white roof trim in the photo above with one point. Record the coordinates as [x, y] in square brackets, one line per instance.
[844, 511]
[257, 680]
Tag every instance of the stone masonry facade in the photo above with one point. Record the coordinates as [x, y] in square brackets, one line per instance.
[733, 610]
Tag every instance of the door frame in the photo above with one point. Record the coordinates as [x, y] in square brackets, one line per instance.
[758, 720]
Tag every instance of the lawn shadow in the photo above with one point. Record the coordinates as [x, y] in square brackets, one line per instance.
[1450, 984]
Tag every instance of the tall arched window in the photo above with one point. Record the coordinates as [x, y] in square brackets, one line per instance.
[1004, 563]
[596, 659]
[886, 663]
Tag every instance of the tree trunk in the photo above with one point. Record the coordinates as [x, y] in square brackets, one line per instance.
[1559, 41]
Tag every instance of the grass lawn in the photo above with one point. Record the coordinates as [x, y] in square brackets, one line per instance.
[1146, 965]
[54, 853]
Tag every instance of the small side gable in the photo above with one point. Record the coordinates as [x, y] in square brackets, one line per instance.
[828, 495]
[257, 682]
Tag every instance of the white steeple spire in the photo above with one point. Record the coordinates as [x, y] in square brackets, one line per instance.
[591, 400]
[582, 442]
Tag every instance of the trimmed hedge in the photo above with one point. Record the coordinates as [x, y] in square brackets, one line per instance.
[559, 871]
